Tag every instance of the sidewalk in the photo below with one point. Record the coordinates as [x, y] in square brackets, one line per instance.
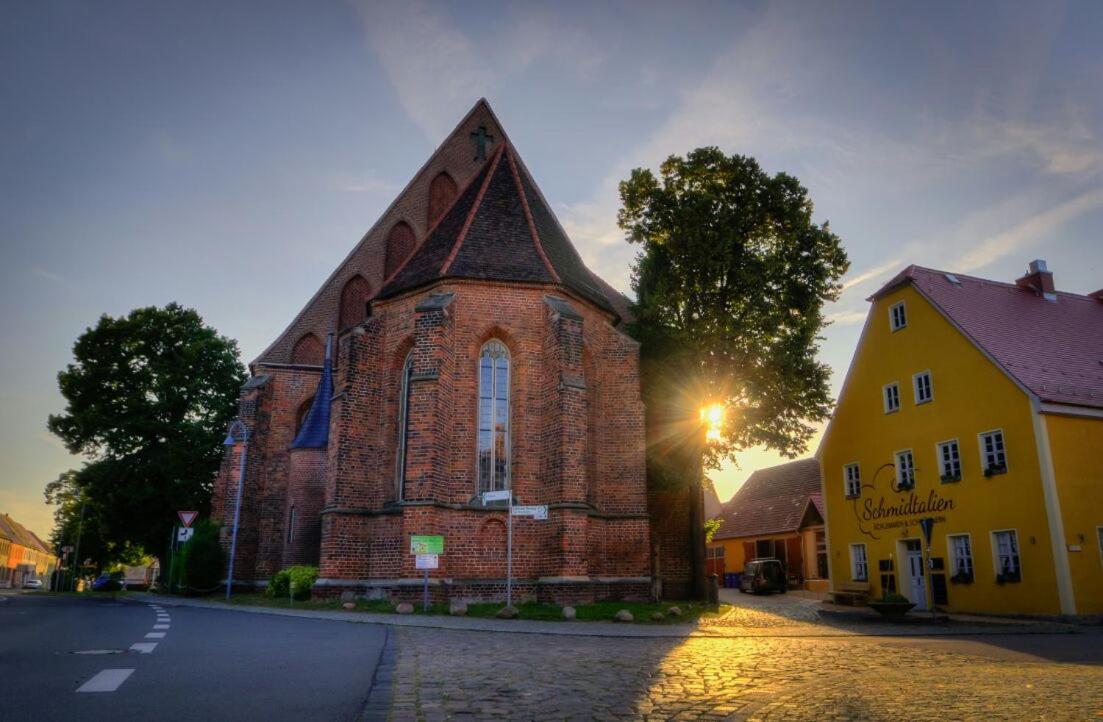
[848, 627]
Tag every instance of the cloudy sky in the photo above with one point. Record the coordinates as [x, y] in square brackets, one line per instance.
[228, 155]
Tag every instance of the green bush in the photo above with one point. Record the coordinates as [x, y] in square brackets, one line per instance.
[295, 581]
[893, 597]
[201, 561]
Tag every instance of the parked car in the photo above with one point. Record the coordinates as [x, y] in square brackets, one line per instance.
[763, 575]
[106, 583]
[32, 584]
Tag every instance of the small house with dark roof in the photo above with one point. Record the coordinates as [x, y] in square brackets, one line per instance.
[776, 514]
[961, 466]
[472, 352]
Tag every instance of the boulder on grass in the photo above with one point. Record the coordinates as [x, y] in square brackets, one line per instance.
[348, 596]
[508, 613]
[674, 611]
[350, 605]
[623, 616]
[569, 613]
[457, 608]
[657, 616]
[404, 608]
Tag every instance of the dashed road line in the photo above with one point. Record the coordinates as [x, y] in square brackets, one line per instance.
[143, 647]
[107, 680]
[160, 626]
[155, 635]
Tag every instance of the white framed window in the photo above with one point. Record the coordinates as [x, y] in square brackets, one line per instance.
[891, 397]
[1005, 553]
[961, 557]
[993, 454]
[949, 461]
[852, 480]
[921, 385]
[898, 317]
[403, 424]
[905, 469]
[859, 566]
[715, 552]
[493, 440]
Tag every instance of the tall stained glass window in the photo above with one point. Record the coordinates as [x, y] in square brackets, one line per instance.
[493, 450]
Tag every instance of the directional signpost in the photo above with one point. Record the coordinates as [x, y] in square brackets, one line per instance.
[426, 549]
[539, 512]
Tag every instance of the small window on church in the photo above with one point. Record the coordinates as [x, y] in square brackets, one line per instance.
[400, 244]
[493, 450]
[403, 423]
[300, 415]
[354, 302]
[291, 525]
[441, 193]
[308, 350]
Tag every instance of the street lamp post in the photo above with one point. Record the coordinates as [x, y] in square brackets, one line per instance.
[238, 424]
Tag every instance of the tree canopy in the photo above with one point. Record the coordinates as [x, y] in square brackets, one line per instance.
[730, 286]
[149, 397]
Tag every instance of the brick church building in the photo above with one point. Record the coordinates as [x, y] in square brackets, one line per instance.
[462, 346]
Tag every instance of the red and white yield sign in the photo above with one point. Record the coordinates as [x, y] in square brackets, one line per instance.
[187, 517]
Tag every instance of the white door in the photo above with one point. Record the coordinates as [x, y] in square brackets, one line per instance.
[917, 581]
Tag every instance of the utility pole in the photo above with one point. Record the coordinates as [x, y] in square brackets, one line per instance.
[80, 532]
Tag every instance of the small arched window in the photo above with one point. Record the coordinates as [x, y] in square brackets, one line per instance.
[403, 423]
[300, 414]
[354, 302]
[308, 350]
[441, 193]
[400, 244]
[493, 449]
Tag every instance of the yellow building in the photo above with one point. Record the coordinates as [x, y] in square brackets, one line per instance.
[776, 514]
[977, 404]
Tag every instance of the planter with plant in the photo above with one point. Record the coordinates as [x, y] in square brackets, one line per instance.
[892, 605]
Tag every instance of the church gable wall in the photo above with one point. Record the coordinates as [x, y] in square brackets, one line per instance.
[456, 158]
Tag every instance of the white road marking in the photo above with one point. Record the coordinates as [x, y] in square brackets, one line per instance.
[155, 635]
[160, 626]
[143, 647]
[163, 619]
[107, 680]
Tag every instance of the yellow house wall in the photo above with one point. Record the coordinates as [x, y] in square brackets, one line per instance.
[970, 396]
[1074, 445]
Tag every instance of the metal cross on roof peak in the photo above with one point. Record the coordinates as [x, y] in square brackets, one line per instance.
[482, 139]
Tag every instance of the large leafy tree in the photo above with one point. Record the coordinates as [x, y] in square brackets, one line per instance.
[730, 285]
[149, 396]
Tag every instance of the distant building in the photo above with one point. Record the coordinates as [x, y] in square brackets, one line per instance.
[23, 556]
[978, 404]
[713, 507]
[776, 514]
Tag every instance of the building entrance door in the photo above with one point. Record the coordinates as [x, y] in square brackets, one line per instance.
[917, 580]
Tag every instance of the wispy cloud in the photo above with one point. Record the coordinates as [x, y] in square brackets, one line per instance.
[366, 183]
[846, 318]
[49, 275]
[872, 273]
[1031, 230]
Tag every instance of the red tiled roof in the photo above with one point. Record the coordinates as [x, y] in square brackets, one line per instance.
[1052, 348]
[772, 501]
[14, 531]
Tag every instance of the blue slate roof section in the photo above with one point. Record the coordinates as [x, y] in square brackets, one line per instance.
[314, 433]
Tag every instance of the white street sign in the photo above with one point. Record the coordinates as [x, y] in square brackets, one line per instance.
[536, 512]
[502, 495]
[426, 561]
[184, 533]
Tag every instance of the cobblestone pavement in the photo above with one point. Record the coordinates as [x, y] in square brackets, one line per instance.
[445, 674]
[765, 611]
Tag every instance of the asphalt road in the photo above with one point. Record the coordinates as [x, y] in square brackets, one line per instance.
[208, 665]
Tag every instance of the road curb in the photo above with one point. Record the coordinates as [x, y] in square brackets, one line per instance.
[378, 705]
[609, 630]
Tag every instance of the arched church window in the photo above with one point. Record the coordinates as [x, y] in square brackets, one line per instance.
[308, 350]
[400, 244]
[300, 414]
[403, 423]
[354, 302]
[493, 441]
[441, 193]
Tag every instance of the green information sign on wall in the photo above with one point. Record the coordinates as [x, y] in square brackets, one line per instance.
[426, 544]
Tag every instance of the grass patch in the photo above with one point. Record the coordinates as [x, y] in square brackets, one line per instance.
[536, 611]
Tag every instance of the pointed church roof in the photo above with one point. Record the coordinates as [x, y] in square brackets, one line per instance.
[314, 433]
[499, 228]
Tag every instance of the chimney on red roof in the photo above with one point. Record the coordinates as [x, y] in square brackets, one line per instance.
[1039, 280]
